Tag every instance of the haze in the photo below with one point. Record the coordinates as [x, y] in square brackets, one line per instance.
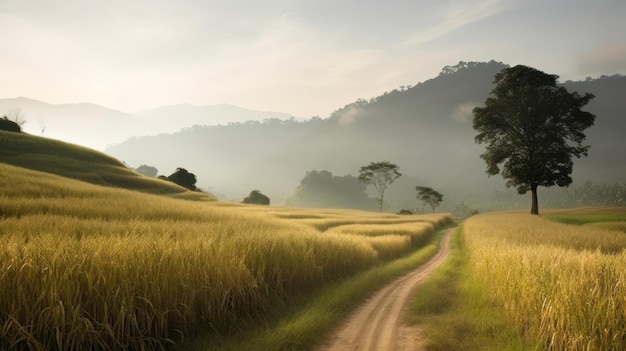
[306, 58]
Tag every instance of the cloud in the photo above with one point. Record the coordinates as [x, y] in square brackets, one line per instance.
[609, 58]
[457, 15]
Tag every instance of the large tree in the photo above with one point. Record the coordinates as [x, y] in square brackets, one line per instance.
[429, 196]
[380, 175]
[533, 127]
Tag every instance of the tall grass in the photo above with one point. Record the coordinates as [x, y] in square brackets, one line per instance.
[562, 285]
[90, 267]
[80, 163]
[454, 311]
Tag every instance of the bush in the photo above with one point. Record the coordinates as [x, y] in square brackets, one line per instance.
[257, 198]
[8, 125]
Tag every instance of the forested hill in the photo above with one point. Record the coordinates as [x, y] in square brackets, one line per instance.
[426, 129]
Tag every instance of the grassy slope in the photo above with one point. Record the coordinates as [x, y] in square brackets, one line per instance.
[80, 163]
[455, 311]
[458, 311]
[70, 244]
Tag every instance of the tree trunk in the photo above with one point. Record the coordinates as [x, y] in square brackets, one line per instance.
[534, 209]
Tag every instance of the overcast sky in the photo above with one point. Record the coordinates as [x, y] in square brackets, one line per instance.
[305, 57]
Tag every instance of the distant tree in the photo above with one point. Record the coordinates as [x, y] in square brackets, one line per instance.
[322, 189]
[534, 127]
[183, 178]
[257, 198]
[148, 171]
[9, 126]
[380, 175]
[429, 196]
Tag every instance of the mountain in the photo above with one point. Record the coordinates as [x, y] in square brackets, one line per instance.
[425, 129]
[83, 124]
[96, 126]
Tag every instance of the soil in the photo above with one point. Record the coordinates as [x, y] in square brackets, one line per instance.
[377, 324]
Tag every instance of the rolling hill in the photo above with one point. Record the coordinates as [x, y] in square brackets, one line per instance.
[80, 163]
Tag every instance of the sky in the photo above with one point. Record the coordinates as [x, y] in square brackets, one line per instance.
[304, 57]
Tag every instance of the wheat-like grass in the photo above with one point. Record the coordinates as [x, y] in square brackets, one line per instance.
[563, 285]
[90, 267]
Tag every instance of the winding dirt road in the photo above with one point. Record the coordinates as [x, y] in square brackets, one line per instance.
[377, 325]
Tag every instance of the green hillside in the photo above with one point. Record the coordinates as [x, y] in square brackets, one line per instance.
[80, 163]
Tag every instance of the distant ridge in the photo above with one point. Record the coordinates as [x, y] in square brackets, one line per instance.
[97, 126]
[426, 129]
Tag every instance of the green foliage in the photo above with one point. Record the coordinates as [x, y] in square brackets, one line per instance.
[380, 175]
[183, 178]
[405, 211]
[9, 126]
[257, 198]
[534, 127]
[322, 189]
[429, 196]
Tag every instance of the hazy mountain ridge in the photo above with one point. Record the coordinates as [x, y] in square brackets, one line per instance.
[426, 129]
[97, 126]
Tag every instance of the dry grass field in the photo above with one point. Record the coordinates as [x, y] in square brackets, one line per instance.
[563, 285]
[84, 266]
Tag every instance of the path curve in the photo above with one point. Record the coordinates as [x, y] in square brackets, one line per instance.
[376, 325]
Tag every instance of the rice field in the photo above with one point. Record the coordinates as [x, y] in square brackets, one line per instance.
[563, 285]
[91, 267]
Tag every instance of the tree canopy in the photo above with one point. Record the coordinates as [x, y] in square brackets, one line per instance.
[533, 127]
[256, 197]
[429, 196]
[9, 125]
[325, 190]
[183, 178]
[380, 175]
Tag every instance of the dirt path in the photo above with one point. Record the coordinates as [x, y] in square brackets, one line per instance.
[376, 325]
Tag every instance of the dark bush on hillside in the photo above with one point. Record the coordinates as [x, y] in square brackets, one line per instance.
[404, 211]
[183, 178]
[257, 198]
[8, 125]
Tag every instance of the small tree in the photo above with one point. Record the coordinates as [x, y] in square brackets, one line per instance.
[256, 197]
[9, 125]
[429, 196]
[183, 178]
[533, 126]
[380, 175]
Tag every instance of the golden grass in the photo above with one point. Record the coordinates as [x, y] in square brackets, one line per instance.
[80, 163]
[92, 267]
[562, 285]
